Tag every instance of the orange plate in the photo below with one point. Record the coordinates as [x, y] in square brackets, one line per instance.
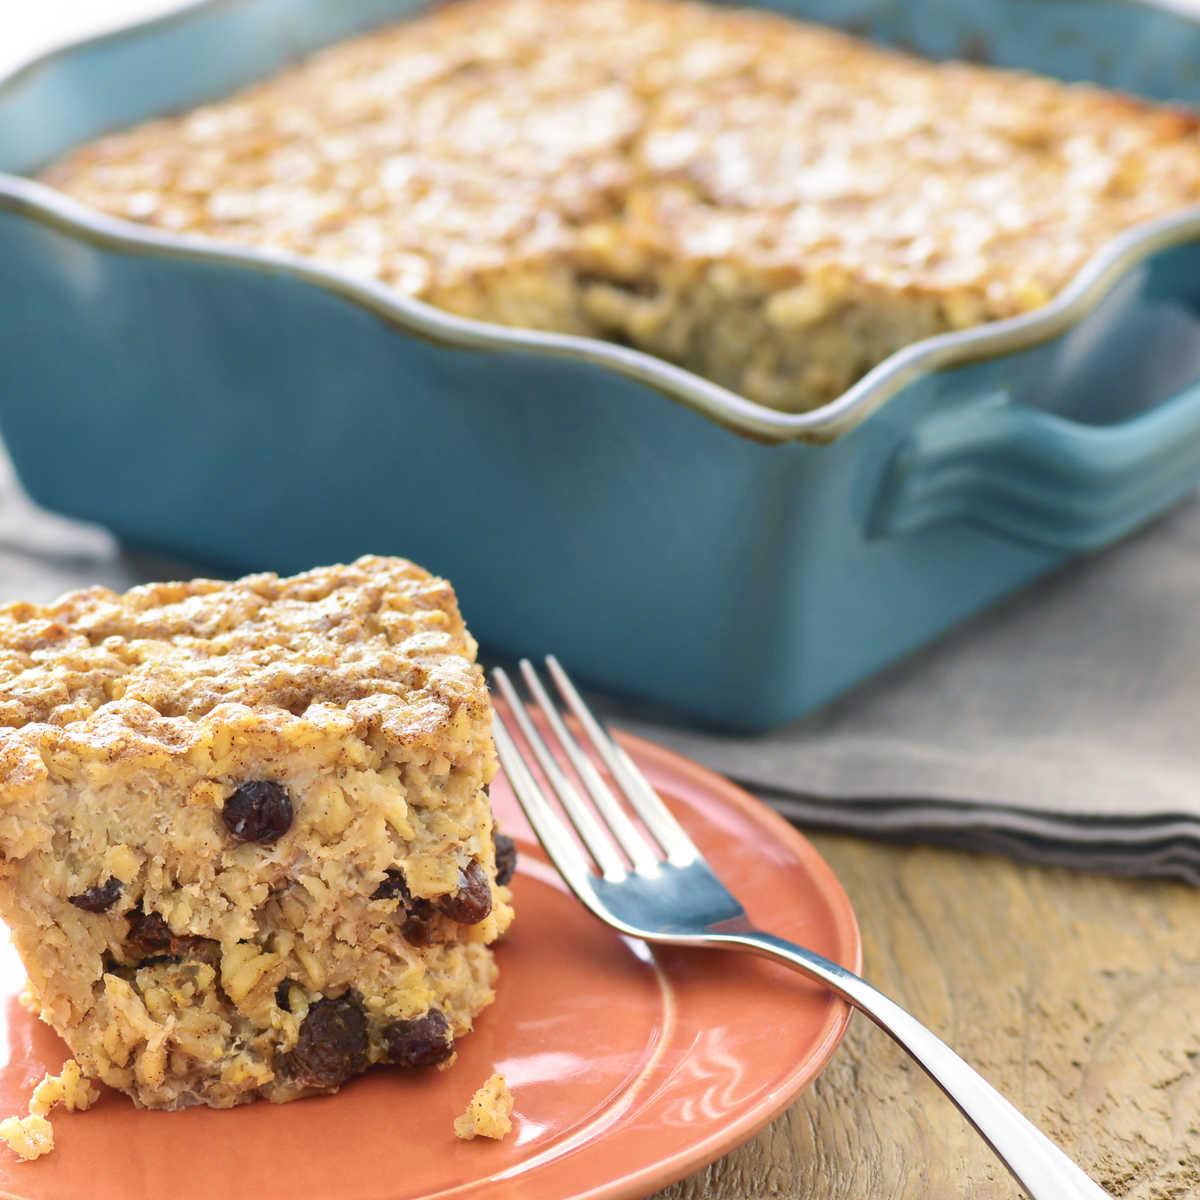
[629, 1069]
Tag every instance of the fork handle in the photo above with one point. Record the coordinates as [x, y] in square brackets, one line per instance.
[1044, 1171]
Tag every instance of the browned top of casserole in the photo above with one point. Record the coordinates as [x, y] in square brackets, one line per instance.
[376, 650]
[716, 186]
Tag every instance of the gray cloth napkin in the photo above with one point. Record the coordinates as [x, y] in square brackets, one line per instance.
[1060, 727]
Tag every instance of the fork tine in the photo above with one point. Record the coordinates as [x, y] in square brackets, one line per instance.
[643, 857]
[679, 848]
[590, 831]
[546, 824]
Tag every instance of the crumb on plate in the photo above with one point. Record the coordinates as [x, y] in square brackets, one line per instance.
[30, 1136]
[70, 1087]
[488, 1114]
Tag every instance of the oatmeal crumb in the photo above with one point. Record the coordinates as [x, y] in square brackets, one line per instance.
[488, 1114]
[30, 1137]
[70, 1088]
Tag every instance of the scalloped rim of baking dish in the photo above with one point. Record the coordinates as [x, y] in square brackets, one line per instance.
[1090, 285]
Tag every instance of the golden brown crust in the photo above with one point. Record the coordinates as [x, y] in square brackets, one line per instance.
[375, 650]
[774, 205]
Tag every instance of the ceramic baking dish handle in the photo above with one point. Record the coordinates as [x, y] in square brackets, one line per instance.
[1040, 478]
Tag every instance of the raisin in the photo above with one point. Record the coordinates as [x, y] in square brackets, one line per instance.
[419, 915]
[422, 1042]
[506, 858]
[148, 933]
[150, 937]
[332, 1045]
[394, 886]
[418, 927]
[100, 898]
[259, 811]
[473, 900]
[201, 949]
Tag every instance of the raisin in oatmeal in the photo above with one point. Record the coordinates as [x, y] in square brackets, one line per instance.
[247, 843]
[773, 205]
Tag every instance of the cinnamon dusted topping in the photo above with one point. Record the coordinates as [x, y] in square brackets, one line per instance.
[775, 205]
[375, 651]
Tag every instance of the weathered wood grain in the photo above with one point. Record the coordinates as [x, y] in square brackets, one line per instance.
[1077, 995]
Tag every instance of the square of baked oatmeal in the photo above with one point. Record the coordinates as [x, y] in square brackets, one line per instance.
[246, 844]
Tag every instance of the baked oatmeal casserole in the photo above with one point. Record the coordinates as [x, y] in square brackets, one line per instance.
[775, 206]
[247, 844]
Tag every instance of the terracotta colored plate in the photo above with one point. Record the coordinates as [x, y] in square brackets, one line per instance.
[629, 1069]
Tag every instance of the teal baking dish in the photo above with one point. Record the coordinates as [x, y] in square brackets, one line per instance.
[667, 539]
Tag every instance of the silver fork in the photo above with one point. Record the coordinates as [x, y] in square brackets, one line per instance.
[664, 891]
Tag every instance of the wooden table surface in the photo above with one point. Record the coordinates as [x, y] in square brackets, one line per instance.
[1077, 995]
